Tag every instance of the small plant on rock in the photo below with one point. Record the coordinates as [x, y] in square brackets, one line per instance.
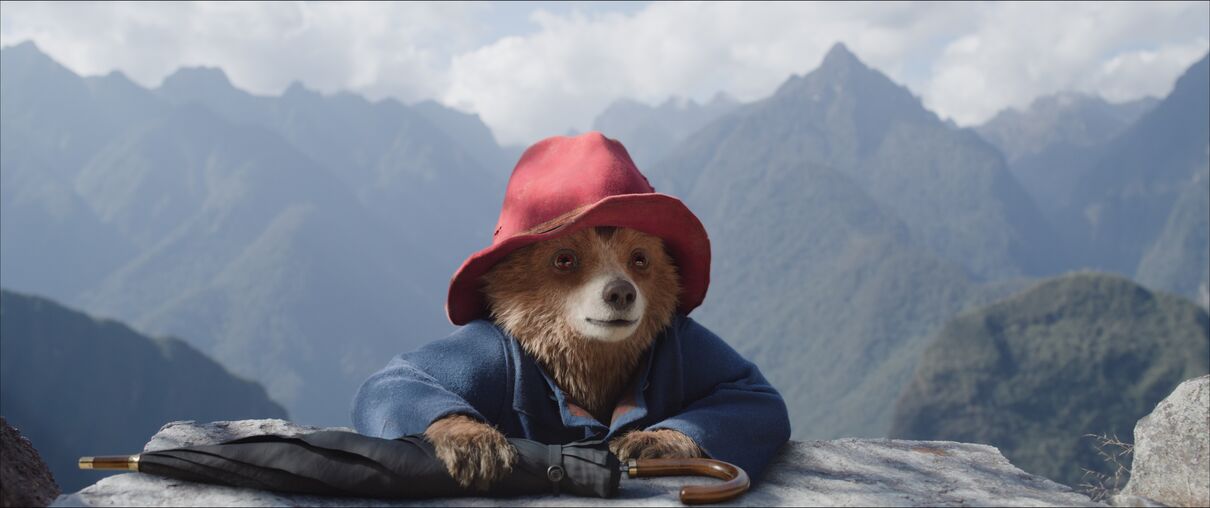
[1099, 485]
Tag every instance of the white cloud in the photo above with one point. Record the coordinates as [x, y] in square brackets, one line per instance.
[1013, 53]
[1140, 73]
[380, 49]
[966, 60]
[563, 75]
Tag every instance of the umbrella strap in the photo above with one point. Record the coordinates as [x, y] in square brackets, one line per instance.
[555, 473]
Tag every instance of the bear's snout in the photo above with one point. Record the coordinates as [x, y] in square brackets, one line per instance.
[619, 294]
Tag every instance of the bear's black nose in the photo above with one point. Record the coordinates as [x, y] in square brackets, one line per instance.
[619, 294]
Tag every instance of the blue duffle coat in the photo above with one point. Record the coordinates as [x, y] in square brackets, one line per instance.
[690, 381]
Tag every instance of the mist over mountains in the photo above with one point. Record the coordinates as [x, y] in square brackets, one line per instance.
[302, 240]
[650, 132]
[1151, 181]
[848, 222]
[1053, 143]
[855, 121]
[1126, 184]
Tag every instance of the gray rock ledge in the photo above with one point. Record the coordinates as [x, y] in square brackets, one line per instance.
[841, 472]
[1172, 448]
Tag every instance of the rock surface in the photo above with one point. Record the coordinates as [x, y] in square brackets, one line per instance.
[24, 478]
[842, 472]
[1172, 448]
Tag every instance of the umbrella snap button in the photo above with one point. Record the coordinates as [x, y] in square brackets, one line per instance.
[554, 473]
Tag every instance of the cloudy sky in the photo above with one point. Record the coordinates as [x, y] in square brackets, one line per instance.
[532, 69]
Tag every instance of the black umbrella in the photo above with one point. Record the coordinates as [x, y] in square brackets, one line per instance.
[352, 465]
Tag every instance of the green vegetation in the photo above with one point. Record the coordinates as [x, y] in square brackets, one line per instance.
[1033, 374]
[76, 385]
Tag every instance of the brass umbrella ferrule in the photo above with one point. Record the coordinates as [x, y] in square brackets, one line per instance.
[111, 462]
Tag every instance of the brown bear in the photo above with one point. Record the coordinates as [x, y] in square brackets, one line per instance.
[577, 329]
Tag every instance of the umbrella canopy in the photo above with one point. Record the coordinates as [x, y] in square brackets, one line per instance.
[347, 464]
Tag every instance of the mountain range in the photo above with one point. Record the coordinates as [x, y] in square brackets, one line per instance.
[1124, 184]
[847, 223]
[304, 239]
[1143, 203]
[1054, 142]
[301, 240]
[76, 385]
[649, 133]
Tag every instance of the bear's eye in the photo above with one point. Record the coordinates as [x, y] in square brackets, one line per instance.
[638, 259]
[565, 260]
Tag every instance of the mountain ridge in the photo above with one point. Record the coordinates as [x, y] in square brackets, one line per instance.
[241, 221]
[124, 384]
[1129, 196]
[648, 132]
[305, 238]
[842, 285]
[1034, 373]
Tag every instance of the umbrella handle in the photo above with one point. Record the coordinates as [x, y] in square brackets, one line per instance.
[111, 462]
[735, 479]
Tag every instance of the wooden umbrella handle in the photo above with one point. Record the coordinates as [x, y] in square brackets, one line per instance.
[735, 479]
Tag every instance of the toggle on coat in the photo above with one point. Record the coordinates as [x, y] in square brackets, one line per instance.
[690, 381]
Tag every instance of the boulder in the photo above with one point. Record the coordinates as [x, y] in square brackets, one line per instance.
[24, 478]
[1172, 448]
[842, 472]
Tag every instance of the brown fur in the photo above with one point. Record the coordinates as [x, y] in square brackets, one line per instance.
[526, 296]
[474, 453]
[654, 444]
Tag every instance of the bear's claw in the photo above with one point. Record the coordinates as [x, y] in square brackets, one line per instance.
[474, 453]
[655, 444]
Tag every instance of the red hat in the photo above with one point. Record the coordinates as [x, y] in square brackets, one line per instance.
[564, 184]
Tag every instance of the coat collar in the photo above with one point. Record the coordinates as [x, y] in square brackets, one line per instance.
[536, 395]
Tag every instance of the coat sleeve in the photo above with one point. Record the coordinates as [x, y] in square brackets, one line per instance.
[731, 411]
[464, 373]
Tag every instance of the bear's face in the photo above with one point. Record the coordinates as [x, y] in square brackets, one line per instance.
[598, 284]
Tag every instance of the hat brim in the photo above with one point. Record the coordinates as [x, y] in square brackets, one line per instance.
[656, 214]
